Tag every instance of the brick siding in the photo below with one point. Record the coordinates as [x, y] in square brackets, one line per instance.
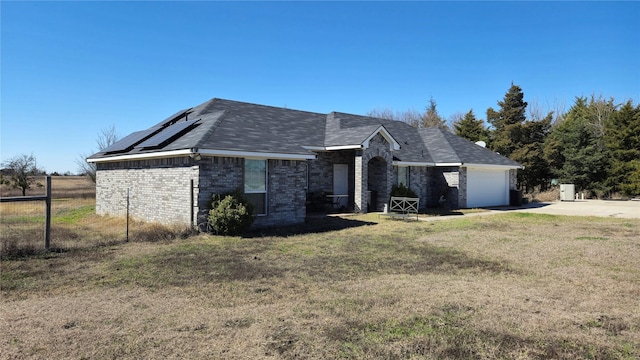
[159, 191]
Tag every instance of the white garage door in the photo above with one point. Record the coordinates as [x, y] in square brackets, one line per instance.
[487, 187]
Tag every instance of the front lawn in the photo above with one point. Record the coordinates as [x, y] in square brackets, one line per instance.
[501, 286]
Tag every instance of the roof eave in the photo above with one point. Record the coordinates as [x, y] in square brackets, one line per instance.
[449, 164]
[495, 166]
[333, 147]
[413, 163]
[202, 152]
[255, 154]
[142, 156]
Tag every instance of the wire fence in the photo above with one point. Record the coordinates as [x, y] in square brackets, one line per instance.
[21, 223]
[73, 220]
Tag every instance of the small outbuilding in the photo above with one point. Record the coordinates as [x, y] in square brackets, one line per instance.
[282, 158]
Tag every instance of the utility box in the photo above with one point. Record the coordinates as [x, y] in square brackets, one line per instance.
[567, 192]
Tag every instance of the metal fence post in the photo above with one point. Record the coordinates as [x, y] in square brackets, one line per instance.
[47, 216]
[191, 222]
[128, 191]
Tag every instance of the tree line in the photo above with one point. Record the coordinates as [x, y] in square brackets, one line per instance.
[594, 145]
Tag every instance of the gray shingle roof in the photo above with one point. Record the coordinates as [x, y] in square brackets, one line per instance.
[446, 147]
[251, 127]
[343, 127]
[227, 125]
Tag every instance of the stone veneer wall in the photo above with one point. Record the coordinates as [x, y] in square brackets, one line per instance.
[159, 189]
[378, 147]
[513, 179]
[462, 188]
[378, 179]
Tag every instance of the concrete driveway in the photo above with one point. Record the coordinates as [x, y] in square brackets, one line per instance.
[603, 208]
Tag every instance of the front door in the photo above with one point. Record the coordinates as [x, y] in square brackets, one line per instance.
[341, 183]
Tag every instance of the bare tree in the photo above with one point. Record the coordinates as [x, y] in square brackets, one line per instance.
[410, 116]
[455, 119]
[22, 169]
[536, 111]
[559, 109]
[382, 113]
[413, 117]
[106, 137]
[601, 111]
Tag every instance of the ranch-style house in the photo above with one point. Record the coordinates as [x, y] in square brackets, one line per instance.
[282, 159]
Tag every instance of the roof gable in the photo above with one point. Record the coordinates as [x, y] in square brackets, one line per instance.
[393, 144]
[346, 130]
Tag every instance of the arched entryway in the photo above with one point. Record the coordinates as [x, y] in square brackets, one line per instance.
[373, 167]
[377, 178]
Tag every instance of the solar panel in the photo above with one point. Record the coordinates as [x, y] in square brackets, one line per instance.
[129, 141]
[173, 117]
[166, 134]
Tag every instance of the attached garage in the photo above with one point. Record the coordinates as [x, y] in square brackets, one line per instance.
[487, 187]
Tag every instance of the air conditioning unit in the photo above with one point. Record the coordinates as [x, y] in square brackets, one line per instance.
[567, 192]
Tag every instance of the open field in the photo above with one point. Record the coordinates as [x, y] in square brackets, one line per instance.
[517, 286]
[63, 187]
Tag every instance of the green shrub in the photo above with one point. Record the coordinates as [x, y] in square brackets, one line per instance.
[230, 214]
[403, 191]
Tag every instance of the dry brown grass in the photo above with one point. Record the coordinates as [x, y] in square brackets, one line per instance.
[544, 196]
[74, 224]
[517, 286]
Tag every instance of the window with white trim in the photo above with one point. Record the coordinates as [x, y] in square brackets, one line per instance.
[255, 184]
[403, 176]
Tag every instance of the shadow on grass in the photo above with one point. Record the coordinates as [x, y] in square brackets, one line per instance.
[328, 258]
[351, 261]
[440, 212]
[313, 224]
[533, 205]
[315, 250]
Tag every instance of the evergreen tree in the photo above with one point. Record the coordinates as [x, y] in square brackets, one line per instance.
[471, 128]
[530, 153]
[520, 139]
[622, 139]
[575, 153]
[507, 121]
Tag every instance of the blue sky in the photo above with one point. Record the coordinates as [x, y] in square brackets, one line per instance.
[70, 69]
